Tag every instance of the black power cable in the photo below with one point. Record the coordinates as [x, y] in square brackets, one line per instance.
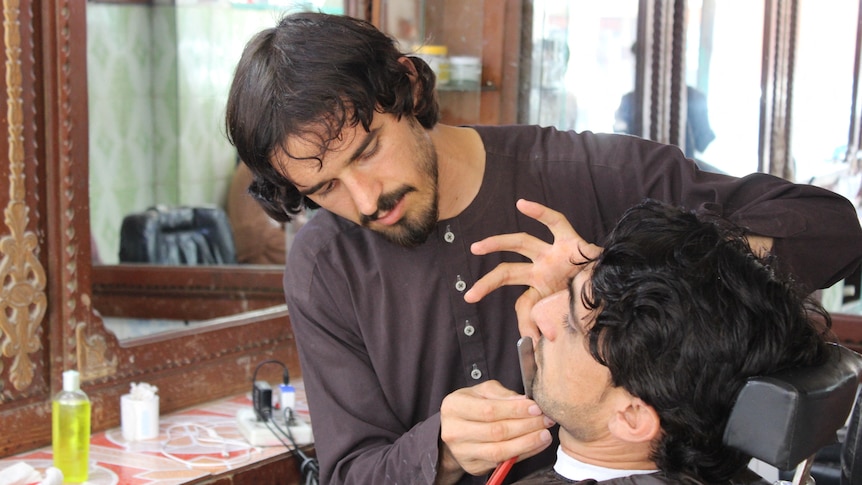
[308, 466]
[262, 398]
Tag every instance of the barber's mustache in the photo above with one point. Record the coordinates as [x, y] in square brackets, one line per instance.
[385, 204]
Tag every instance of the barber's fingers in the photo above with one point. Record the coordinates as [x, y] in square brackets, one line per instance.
[481, 458]
[494, 431]
[486, 424]
[522, 447]
[477, 457]
[525, 244]
[520, 242]
[505, 274]
[488, 401]
[555, 221]
[563, 231]
[551, 266]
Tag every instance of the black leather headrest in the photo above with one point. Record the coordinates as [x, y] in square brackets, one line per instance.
[783, 419]
[177, 235]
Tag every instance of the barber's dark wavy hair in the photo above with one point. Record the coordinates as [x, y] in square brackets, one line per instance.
[311, 76]
[685, 314]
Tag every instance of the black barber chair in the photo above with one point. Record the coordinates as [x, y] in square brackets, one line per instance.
[177, 236]
[851, 462]
[786, 418]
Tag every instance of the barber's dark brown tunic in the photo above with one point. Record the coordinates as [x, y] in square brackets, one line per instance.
[384, 332]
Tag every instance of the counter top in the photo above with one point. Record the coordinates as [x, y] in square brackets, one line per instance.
[193, 445]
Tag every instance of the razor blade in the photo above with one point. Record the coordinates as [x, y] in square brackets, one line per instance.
[527, 360]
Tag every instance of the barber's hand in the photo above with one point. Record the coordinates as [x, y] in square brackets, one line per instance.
[552, 266]
[484, 425]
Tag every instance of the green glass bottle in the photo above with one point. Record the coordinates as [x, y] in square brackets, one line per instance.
[70, 430]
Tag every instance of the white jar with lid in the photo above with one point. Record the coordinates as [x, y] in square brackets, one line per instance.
[466, 71]
[437, 58]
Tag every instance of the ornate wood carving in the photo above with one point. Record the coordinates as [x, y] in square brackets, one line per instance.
[86, 346]
[22, 295]
[94, 359]
[71, 167]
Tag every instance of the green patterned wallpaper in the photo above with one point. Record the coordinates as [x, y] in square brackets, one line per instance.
[120, 94]
[158, 78]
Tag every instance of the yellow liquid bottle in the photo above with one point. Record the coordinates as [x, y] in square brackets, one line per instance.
[70, 430]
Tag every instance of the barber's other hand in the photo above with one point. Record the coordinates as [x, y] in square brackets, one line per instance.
[552, 266]
[484, 425]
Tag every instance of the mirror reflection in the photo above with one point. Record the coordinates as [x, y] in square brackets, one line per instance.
[158, 77]
[719, 40]
[165, 188]
[582, 63]
[584, 66]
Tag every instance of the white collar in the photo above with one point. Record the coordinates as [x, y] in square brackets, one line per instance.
[577, 470]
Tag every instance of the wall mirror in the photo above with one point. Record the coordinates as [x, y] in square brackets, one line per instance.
[157, 81]
[158, 76]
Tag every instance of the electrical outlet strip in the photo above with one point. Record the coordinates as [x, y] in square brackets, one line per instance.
[258, 434]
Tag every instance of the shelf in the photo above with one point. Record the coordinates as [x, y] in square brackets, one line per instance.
[473, 88]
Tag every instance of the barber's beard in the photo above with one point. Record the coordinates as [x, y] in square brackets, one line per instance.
[421, 218]
[413, 230]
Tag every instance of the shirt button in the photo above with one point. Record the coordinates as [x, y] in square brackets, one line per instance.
[449, 236]
[469, 330]
[476, 374]
[460, 285]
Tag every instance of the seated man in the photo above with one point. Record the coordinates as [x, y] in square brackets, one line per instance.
[640, 361]
[258, 238]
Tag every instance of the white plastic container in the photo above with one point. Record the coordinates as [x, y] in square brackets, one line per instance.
[139, 412]
[465, 71]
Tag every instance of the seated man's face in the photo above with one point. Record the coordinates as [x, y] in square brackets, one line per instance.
[570, 386]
